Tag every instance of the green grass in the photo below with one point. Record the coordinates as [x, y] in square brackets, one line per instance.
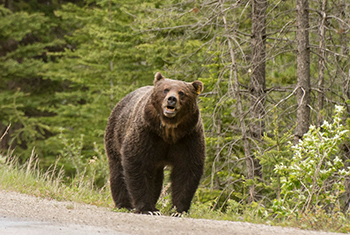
[29, 179]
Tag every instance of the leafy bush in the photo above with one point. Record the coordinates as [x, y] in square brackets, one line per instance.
[314, 178]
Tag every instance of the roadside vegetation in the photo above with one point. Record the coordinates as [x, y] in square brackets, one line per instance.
[310, 185]
[29, 178]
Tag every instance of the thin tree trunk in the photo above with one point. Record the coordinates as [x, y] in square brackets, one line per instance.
[257, 79]
[321, 63]
[344, 50]
[215, 181]
[8, 4]
[233, 79]
[303, 69]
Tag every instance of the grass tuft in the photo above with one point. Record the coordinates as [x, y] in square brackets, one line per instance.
[30, 179]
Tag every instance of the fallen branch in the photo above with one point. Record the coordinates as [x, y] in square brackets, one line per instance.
[5, 133]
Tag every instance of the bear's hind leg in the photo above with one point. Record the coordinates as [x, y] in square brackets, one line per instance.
[119, 191]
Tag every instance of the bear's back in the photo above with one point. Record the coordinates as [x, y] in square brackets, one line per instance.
[131, 100]
[127, 111]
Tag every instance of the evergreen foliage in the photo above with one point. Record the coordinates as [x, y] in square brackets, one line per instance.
[25, 41]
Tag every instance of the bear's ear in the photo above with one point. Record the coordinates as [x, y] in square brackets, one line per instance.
[198, 86]
[158, 77]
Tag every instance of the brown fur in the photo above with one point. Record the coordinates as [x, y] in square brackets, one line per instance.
[147, 131]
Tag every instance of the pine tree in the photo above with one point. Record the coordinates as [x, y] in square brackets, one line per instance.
[25, 40]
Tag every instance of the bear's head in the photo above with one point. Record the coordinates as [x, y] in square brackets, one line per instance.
[175, 100]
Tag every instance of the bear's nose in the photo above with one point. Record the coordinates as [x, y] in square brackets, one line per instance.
[172, 100]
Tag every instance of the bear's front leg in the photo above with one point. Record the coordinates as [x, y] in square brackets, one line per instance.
[140, 161]
[139, 178]
[185, 182]
[188, 166]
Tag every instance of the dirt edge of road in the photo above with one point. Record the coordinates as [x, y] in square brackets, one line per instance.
[23, 207]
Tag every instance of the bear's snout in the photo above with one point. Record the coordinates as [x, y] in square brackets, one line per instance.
[172, 101]
[170, 106]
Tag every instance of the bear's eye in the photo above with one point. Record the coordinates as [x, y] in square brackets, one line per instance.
[181, 93]
[166, 91]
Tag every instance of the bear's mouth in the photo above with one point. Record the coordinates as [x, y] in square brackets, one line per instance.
[169, 111]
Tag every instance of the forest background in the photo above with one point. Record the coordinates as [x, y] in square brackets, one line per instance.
[275, 105]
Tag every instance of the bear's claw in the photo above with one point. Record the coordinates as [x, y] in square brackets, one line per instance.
[176, 214]
[156, 213]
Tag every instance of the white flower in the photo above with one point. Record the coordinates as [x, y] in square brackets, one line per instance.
[339, 109]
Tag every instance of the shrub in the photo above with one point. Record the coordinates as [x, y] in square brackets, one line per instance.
[314, 178]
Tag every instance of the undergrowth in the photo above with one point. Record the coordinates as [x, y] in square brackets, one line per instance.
[309, 185]
[30, 179]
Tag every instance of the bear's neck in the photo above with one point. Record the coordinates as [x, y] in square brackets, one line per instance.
[171, 130]
[170, 134]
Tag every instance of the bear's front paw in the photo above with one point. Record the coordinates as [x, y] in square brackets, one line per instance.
[176, 214]
[156, 213]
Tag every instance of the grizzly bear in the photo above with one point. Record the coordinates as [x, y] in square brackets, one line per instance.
[150, 128]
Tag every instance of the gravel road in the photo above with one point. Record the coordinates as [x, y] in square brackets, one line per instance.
[24, 214]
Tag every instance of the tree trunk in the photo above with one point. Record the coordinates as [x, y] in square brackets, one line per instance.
[321, 63]
[233, 80]
[343, 71]
[8, 4]
[303, 69]
[257, 79]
